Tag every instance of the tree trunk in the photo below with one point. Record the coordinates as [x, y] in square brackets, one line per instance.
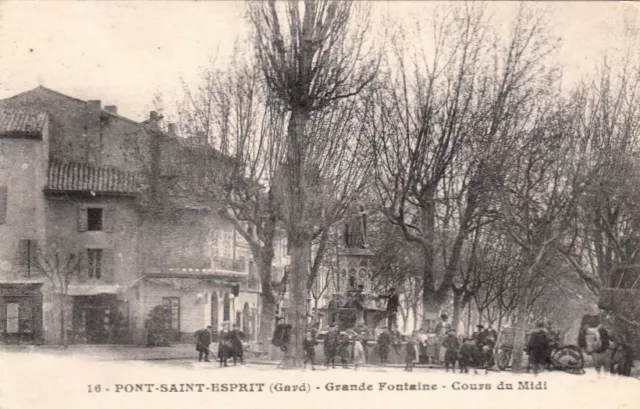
[520, 331]
[267, 314]
[63, 332]
[263, 259]
[457, 309]
[297, 312]
[430, 303]
[298, 230]
[468, 319]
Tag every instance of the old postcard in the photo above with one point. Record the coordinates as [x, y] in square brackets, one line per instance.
[319, 203]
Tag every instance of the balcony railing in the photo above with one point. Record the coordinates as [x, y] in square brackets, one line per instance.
[229, 265]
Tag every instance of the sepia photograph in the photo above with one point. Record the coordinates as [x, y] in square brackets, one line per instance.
[319, 203]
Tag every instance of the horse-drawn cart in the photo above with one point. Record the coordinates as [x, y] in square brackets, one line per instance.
[567, 358]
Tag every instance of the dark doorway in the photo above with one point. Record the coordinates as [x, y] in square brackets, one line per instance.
[172, 304]
[98, 319]
[226, 308]
[214, 316]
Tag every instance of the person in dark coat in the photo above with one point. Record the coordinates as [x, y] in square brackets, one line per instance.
[384, 341]
[334, 309]
[451, 345]
[466, 355]
[344, 350]
[393, 304]
[309, 349]
[203, 342]
[538, 348]
[235, 339]
[224, 344]
[331, 344]
[411, 354]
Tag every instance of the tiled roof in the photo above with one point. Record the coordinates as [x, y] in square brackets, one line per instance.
[75, 177]
[22, 123]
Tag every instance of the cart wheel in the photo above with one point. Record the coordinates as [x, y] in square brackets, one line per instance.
[502, 359]
[568, 358]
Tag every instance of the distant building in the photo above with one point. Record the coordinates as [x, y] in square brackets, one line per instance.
[77, 176]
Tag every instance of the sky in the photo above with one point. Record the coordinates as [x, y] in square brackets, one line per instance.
[125, 53]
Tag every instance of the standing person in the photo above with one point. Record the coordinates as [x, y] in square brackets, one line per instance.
[432, 345]
[309, 347]
[384, 341]
[465, 355]
[451, 345]
[359, 357]
[334, 308]
[410, 354]
[422, 346]
[538, 347]
[235, 338]
[331, 342]
[344, 349]
[442, 329]
[203, 342]
[393, 303]
[224, 344]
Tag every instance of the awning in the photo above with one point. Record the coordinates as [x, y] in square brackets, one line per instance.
[88, 289]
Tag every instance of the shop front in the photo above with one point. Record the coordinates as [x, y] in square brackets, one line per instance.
[98, 315]
[20, 313]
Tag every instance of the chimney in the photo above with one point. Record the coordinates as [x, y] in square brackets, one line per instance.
[111, 108]
[201, 138]
[154, 120]
[92, 127]
[171, 129]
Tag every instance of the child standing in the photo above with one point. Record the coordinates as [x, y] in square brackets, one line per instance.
[410, 355]
[466, 355]
[451, 354]
[308, 345]
[358, 353]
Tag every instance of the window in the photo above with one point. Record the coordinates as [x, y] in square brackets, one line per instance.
[172, 304]
[27, 250]
[4, 193]
[94, 219]
[13, 318]
[95, 263]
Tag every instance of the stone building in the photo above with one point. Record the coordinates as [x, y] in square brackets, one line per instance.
[79, 178]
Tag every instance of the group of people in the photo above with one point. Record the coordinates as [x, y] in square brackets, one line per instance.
[337, 345]
[442, 346]
[229, 345]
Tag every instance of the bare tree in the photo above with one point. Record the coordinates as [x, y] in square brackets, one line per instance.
[442, 124]
[312, 55]
[61, 268]
[607, 229]
[539, 200]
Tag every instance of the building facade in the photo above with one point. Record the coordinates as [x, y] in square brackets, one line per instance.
[83, 188]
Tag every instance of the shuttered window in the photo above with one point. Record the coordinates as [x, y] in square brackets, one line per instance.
[94, 261]
[108, 265]
[27, 251]
[99, 264]
[172, 305]
[4, 193]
